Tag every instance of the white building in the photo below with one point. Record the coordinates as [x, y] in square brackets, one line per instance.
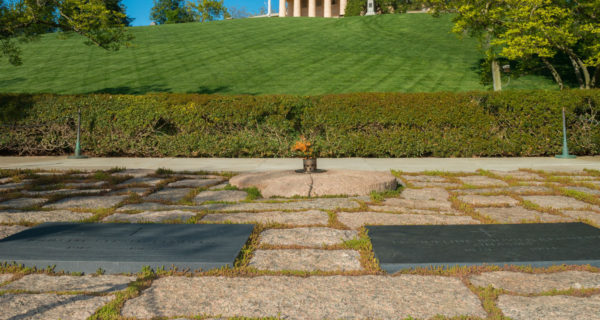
[312, 8]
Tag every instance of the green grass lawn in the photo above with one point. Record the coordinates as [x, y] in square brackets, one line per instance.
[307, 56]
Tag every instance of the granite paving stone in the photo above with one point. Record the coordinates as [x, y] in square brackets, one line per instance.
[315, 297]
[63, 192]
[138, 191]
[482, 181]
[306, 260]
[597, 183]
[526, 283]
[219, 186]
[303, 218]
[584, 189]
[317, 204]
[152, 216]
[550, 307]
[169, 194]
[576, 177]
[154, 206]
[23, 202]
[356, 220]
[148, 181]
[50, 306]
[222, 195]
[397, 209]
[488, 200]
[519, 175]
[5, 180]
[5, 277]
[136, 173]
[6, 231]
[514, 189]
[87, 283]
[591, 216]
[16, 216]
[557, 202]
[7, 187]
[84, 184]
[435, 194]
[91, 202]
[310, 237]
[418, 204]
[195, 183]
[424, 178]
[518, 215]
[419, 184]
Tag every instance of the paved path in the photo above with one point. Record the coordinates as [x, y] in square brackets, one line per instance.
[309, 259]
[253, 165]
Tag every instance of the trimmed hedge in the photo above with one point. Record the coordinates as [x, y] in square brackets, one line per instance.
[512, 123]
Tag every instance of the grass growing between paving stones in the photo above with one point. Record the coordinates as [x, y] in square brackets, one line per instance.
[469, 210]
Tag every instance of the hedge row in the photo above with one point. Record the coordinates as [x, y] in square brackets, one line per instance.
[514, 123]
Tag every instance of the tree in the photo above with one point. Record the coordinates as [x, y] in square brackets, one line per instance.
[26, 20]
[209, 10]
[171, 11]
[117, 6]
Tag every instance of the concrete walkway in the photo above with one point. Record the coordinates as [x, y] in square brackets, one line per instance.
[256, 165]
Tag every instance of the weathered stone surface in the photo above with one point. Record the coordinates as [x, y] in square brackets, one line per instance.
[436, 194]
[93, 202]
[84, 184]
[435, 184]
[222, 195]
[195, 183]
[591, 216]
[50, 306]
[306, 260]
[219, 186]
[356, 220]
[136, 173]
[396, 209]
[14, 185]
[15, 216]
[557, 202]
[515, 189]
[482, 181]
[318, 203]
[6, 231]
[333, 182]
[418, 204]
[550, 307]
[138, 191]
[310, 237]
[169, 194]
[147, 181]
[153, 206]
[576, 177]
[304, 218]
[23, 202]
[424, 178]
[88, 283]
[151, 216]
[333, 297]
[537, 283]
[584, 189]
[5, 277]
[519, 175]
[5, 180]
[63, 192]
[518, 214]
[488, 200]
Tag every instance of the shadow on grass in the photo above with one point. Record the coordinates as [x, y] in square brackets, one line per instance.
[134, 90]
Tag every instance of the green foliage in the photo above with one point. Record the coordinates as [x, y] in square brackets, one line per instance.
[253, 193]
[209, 10]
[355, 7]
[512, 123]
[171, 11]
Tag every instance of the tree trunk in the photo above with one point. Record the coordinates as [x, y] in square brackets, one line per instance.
[595, 77]
[586, 73]
[496, 76]
[555, 74]
[577, 73]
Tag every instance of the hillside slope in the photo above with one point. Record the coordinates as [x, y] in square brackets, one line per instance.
[308, 56]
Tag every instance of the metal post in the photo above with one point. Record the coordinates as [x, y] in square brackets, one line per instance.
[78, 143]
[565, 151]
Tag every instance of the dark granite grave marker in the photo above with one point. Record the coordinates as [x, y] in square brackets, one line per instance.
[117, 248]
[538, 245]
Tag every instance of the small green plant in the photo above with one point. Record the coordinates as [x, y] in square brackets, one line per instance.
[163, 171]
[100, 271]
[253, 193]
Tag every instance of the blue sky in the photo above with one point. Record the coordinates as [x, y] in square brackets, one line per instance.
[140, 9]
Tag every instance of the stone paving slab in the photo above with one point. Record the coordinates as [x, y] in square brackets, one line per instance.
[96, 184]
[23, 202]
[419, 184]
[576, 177]
[311, 217]
[222, 195]
[514, 189]
[356, 220]
[482, 181]
[5, 277]
[316, 204]
[91, 202]
[154, 206]
[537, 283]
[306, 260]
[418, 204]
[518, 214]
[334, 297]
[6, 231]
[142, 180]
[151, 216]
[5, 180]
[422, 178]
[310, 237]
[50, 306]
[396, 209]
[584, 189]
[433, 194]
[169, 194]
[88, 283]
[557, 202]
[478, 200]
[138, 191]
[550, 307]
[591, 216]
[14, 185]
[219, 186]
[136, 173]
[195, 183]
[519, 175]
[15, 216]
[63, 192]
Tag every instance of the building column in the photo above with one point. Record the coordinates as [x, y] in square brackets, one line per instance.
[312, 8]
[327, 8]
[282, 11]
[343, 4]
[297, 8]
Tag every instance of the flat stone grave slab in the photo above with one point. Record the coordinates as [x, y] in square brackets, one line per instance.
[125, 248]
[538, 245]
